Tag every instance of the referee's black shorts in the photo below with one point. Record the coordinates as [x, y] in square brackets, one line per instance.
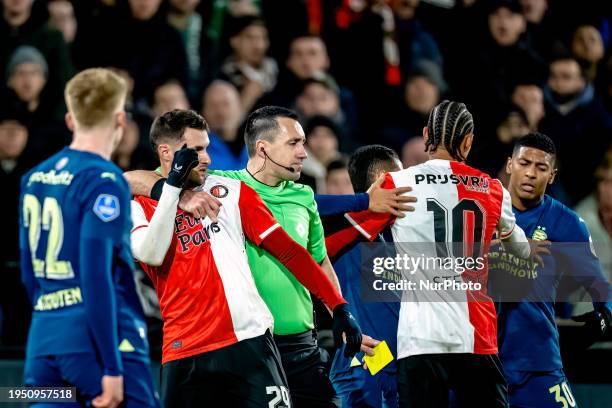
[307, 368]
[476, 380]
[246, 374]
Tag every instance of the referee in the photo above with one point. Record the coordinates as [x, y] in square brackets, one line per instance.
[275, 142]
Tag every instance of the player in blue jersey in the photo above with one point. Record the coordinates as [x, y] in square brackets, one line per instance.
[527, 333]
[88, 329]
[356, 386]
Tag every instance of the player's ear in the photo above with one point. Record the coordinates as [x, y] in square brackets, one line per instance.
[164, 151]
[553, 174]
[69, 121]
[466, 144]
[509, 166]
[425, 134]
[120, 119]
[260, 148]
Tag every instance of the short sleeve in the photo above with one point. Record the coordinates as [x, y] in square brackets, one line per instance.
[507, 221]
[370, 224]
[257, 220]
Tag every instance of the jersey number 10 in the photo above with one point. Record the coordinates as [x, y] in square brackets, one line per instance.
[49, 219]
[467, 219]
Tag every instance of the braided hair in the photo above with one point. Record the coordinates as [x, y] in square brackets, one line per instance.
[449, 122]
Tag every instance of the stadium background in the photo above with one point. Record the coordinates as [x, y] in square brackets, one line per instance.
[357, 72]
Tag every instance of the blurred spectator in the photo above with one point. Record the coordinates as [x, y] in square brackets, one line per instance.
[23, 23]
[167, 97]
[422, 92]
[541, 34]
[534, 10]
[414, 43]
[588, 48]
[27, 73]
[502, 61]
[248, 67]
[321, 96]
[307, 58]
[578, 123]
[596, 211]
[529, 99]
[142, 43]
[183, 16]
[125, 153]
[322, 141]
[223, 112]
[392, 40]
[413, 152]
[62, 19]
[338, 181]
[14, 163]
[513, 127]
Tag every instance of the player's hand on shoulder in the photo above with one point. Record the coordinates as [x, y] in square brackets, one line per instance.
[392, 201]
[112, 392]
[184, 161]
[200, 204]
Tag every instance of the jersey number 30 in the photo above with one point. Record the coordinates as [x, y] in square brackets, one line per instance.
[48, 218]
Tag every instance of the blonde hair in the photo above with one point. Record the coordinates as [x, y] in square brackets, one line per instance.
[93, 95]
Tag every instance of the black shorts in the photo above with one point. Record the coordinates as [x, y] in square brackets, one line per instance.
[307, 368]
[424, 381]
[246, 374]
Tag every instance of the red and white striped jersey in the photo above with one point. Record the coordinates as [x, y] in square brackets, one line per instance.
[456, 204]
[206, 291]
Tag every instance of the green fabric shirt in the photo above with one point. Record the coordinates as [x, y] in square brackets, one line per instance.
[295, 209]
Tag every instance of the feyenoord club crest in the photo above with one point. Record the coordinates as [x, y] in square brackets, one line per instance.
[219, 191]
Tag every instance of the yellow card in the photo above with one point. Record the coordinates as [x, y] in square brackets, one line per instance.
[382, 356]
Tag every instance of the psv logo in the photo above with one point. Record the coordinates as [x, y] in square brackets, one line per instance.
[219, 191]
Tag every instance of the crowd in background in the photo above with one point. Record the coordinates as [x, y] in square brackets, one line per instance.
[356, 71]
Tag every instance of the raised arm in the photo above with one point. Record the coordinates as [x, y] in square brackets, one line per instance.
[150, 240]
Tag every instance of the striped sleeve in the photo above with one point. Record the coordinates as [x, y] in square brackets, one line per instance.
[364, 224]
[257, 220]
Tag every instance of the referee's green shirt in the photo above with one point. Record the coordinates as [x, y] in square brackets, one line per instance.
[294, 208]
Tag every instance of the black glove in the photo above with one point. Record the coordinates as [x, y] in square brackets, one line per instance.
[184, 161]
[344, 322]
[596, 323]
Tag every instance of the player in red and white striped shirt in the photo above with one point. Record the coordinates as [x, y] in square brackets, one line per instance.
[218, 349]
[447, 339]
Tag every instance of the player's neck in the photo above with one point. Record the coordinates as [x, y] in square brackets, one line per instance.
[94, 141]
[441, 154]
[524, 205]
[254, 167]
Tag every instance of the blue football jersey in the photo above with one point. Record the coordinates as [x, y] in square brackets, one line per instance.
[76, 260]
[377, 319]
[527, 333]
